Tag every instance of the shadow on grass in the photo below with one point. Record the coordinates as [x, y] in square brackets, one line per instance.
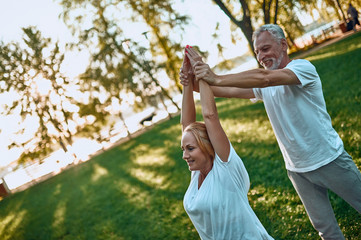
[100, 199]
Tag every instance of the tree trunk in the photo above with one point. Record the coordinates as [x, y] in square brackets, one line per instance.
[340, 8]
[266, 11]
[245, 24]
[276, 13]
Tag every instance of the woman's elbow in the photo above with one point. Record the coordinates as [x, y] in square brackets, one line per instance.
[210, 115]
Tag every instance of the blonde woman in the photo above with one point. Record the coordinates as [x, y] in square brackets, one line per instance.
[216, 199]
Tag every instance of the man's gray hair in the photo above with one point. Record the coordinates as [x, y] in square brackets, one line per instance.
[275, 30]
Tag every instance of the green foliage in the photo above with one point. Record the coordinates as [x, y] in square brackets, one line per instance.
[249, 15]
[135, 190]
[31, 72]
[120, 63]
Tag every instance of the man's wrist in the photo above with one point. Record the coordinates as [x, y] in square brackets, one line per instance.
[217, 80]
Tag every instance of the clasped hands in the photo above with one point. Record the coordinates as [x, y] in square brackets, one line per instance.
[193, 68]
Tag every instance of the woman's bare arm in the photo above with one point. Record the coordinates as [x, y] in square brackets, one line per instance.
[188, 112]
[215, 131]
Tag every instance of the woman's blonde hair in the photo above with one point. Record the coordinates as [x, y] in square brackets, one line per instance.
[199, 131]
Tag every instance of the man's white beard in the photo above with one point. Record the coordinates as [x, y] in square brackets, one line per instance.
[275, 62]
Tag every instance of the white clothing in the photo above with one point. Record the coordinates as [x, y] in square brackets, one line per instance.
[219, 209]
[300, 120]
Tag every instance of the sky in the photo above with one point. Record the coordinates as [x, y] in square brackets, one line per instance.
[44, 14]
[16, 14]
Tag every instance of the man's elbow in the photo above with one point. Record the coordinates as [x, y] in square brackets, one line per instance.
[266, 80]
[263, 78]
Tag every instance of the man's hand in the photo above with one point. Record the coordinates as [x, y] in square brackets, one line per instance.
[203, 72]
[200, 69]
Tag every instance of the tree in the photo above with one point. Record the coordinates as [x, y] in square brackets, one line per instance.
[119, 64]
[245, 24]
[161, 19]
[290, 22]
[34, 74]
[259, 12]
[158, 20]
[340, 7]
[262, 12]
[341, 11]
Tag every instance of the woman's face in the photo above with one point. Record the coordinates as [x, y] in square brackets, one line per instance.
[193, 155]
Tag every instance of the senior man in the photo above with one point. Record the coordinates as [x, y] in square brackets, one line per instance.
[313, 152]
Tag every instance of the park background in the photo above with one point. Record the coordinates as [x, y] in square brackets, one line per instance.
[118, 68]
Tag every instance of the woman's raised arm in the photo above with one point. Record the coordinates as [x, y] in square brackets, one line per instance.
[188, 112]
[215, 131]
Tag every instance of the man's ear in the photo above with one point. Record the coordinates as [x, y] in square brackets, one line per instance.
[284, 44]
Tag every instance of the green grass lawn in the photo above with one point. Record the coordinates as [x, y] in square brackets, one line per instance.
[135, 191]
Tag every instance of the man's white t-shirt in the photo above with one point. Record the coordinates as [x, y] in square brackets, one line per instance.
[300, 120]
[219, 209]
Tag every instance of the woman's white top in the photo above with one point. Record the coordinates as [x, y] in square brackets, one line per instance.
[219, 209]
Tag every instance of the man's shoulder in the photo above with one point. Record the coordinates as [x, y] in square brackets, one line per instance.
[298, 62]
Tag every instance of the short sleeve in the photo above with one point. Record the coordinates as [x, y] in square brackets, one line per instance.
[236, 170]
[304, 70]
